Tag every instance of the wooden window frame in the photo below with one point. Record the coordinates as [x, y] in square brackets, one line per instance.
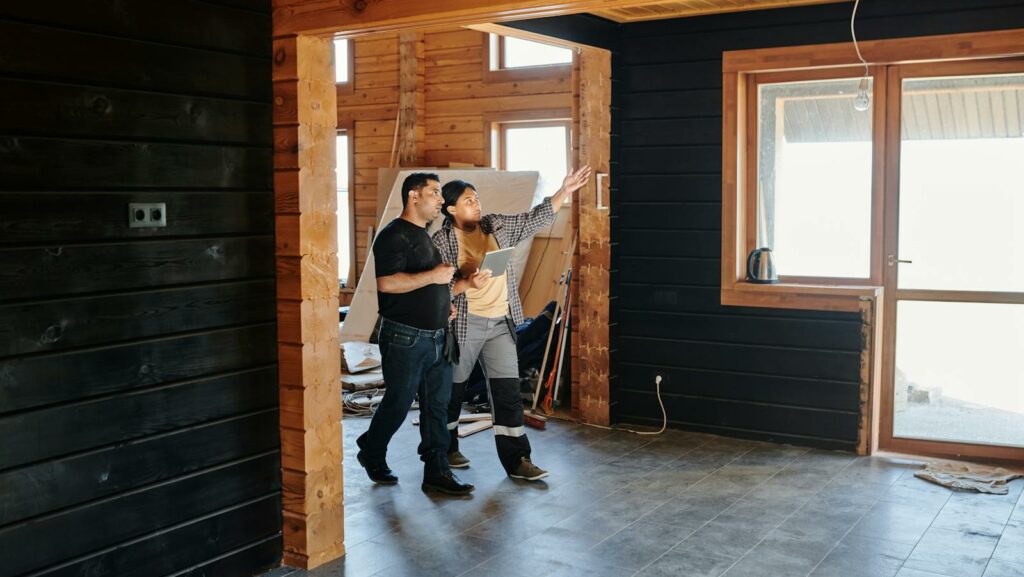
[494, 63]
[740, 70]
[349, 86]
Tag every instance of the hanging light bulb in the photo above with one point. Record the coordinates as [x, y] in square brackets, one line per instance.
[863, 100]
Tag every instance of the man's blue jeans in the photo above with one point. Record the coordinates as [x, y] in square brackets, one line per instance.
[413, 362]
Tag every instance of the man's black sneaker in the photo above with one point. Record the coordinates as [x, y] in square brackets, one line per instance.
[379, 473]
[447, 483]
[457, 460]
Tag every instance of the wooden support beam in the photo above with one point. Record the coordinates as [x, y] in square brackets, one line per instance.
[305, 121]
[369, 16]
[594, 248]
[410, 98]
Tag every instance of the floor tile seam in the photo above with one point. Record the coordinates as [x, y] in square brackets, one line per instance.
[1002, 533]
[694, 531]
[777, 525]
[847, 533]
[919, 539]
[484, 560]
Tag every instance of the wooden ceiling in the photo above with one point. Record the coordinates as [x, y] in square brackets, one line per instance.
[680, 8]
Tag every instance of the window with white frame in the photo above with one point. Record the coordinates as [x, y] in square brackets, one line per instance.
[508, 53]
[342, 61]
[343, 172]
[543, 146]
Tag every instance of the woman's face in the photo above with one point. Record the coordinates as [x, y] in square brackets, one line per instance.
[466, 210]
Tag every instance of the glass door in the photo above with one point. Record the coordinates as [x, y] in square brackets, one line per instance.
[954, 274]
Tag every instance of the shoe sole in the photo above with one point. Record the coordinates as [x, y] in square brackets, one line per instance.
[428, 488]
[361, 464]
[459, 466]
[534, 478]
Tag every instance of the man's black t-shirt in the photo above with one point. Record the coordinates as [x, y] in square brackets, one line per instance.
[401, 246]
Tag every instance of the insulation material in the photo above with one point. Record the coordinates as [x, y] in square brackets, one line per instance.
[969, 477]
[359, 356]
[500, 192]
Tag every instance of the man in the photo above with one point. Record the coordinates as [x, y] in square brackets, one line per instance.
[415, 306]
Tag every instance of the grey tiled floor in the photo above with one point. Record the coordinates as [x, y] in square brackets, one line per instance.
[681, 504]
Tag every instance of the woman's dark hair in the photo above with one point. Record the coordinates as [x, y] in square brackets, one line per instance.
[451, 192]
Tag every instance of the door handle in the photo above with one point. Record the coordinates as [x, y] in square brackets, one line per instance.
[893, 260]
[600, 191]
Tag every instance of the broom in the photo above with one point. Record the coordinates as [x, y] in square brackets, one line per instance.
[531, 417]
[556, 363]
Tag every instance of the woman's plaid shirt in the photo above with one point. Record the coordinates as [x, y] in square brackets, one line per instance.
[508, 230]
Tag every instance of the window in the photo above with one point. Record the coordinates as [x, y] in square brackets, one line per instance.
[541, 146]
[812, 181]
[508, 58]
[518, 53]
[344, 62]
[345, 244]
[849, 200]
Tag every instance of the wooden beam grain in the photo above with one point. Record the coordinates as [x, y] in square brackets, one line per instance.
[369, 16]
[594, 247]
[305, 113]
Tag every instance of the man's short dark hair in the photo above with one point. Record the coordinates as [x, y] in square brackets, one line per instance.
[416, 181]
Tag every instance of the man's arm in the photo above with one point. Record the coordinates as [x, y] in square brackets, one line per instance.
[405, 282]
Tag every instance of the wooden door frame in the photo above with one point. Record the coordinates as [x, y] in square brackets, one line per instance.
[305, 196]
[886, 439]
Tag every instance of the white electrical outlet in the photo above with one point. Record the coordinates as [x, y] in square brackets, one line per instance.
[147, 215]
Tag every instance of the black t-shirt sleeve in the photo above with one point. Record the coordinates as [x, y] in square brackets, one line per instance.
[390, 252]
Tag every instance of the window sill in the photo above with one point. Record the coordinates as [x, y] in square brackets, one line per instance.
[799, 296]
[546, 72]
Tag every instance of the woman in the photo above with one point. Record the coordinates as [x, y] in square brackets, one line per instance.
[489, 310]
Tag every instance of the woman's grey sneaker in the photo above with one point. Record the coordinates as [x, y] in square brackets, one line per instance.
[457, 460]
[528, 471]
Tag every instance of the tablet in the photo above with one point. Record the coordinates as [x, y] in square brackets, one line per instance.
[497, 261]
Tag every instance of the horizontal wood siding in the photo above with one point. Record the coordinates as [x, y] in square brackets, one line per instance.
[138, 369]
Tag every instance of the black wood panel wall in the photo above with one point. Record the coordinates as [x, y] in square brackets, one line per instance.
[763, 373]
[138, 370]
[771, 374]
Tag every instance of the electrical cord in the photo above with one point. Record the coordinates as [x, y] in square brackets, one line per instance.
[366, 409]
[664, 415]
[853, 34]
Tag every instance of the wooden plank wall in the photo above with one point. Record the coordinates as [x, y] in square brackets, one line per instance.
[138, 369]
[771, 374]
[460, 99]
[371, 109]
[453, 100]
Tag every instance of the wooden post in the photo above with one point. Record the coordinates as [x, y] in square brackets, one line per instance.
[594, 259]
[305, 123]
[411, 100]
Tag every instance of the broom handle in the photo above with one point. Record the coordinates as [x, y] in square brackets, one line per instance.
[547, 349]
[561, 358]
[559, 348]
[563, 281]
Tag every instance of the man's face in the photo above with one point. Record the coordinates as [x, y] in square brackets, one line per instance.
[429, 200]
